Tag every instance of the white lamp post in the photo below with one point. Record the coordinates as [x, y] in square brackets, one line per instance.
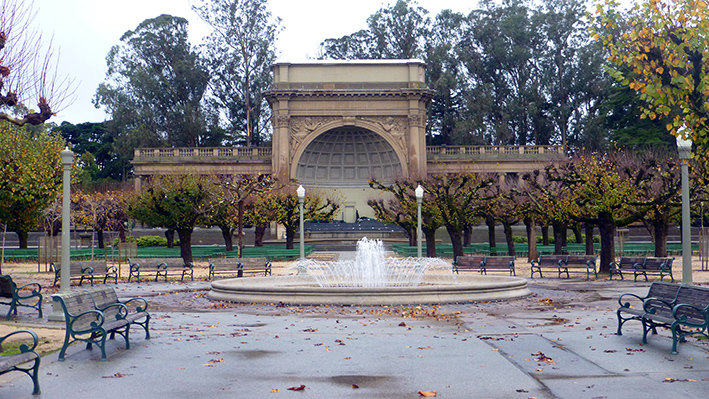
[67, 157]
[419, 199]
[301, 197]
[684, 147]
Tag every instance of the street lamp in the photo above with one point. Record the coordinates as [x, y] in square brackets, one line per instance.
[67, 157]
[684, 147]
[419, 199]
[301, 197]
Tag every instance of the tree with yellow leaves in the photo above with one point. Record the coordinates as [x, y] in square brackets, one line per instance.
[659, 49]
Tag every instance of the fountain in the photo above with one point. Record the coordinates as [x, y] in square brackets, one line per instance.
[370, 278]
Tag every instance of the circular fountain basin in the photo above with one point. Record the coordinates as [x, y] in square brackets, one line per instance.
[304, 290]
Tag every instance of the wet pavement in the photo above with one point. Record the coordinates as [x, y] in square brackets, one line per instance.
[558, 343]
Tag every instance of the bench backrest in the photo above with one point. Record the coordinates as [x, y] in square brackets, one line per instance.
[104, 296]
[580, 260]
[695, 296]
[471, 260]
[168, 262]
[666, 292]
[76, 267]
[7, 286]
[551, 260]
[224, 263]
[253, 262]
[629, 263]
[75, 303]
[658, 263]
[499, 260]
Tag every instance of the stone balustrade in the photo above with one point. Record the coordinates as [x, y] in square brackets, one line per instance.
[204, 153]
[471, 152]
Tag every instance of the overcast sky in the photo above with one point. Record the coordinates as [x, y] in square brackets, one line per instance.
[85, 30]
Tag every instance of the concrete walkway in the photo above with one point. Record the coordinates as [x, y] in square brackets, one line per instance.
[559, 343]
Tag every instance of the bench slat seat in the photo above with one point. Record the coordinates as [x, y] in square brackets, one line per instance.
[19, 296]
[162, 267]
[472, 262]
[238, 267]
[86, 270]
[27, 354]
[85, 323]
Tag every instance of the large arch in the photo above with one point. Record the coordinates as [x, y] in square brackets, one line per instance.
[347, 156]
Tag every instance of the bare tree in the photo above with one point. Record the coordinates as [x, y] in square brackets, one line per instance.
[28, 68]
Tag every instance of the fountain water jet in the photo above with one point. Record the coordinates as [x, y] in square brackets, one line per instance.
[370, 279]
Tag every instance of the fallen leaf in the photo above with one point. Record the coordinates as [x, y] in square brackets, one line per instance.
[355, 386]
[117, 375]
[428, 394]
[274, 390]
[300, 388]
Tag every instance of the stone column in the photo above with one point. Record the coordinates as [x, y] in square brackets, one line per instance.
[280, 145]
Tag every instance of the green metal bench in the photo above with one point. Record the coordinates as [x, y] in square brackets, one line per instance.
[501, 263]
[27, 354]
[551, 262]
[18, 295]
[471, 262]
[682, 309]
[162, 267]
[86, 323]
[585, 263]
[86, 270]
[105, 298]
[655, 266]
[626, 264]
[239, 267]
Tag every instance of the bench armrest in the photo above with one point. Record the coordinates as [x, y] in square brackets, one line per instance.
[651, 304]
[627, 304]
[188, 265]
[134, 266]
[23, 347]
[122, 310]
[534, 262]
[97, 314]
[140, 306]
[30, 285]
[111, 269]
[88, 269]
[683, 318]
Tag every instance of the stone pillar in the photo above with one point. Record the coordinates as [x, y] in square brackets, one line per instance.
[280, 144]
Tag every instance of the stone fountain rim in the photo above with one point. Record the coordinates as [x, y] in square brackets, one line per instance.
[302, 290]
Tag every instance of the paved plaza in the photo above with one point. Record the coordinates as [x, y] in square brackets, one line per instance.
[558, 343]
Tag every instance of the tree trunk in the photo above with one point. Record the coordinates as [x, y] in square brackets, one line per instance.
[531, 238]
[457, 241]
[557, 228]
[290, 236]
[606, 228]
[430, 235]
[508, 237]
[240, 230]
[565, 236]
[226, 234]
[22, 237]
[412, 236]
[170, 236]
[467, 235]
[185, 236]
[661, 230]
[490, 222]
[100, 239]
[545, 234]
[589, 238]
[576, 228]
[259, 233]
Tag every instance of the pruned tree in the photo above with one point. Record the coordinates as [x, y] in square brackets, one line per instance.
[100, 210]
[286, 210]
[235, 191]
[172, 202]
[30, 177]
[28, 68]
[240, 52]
